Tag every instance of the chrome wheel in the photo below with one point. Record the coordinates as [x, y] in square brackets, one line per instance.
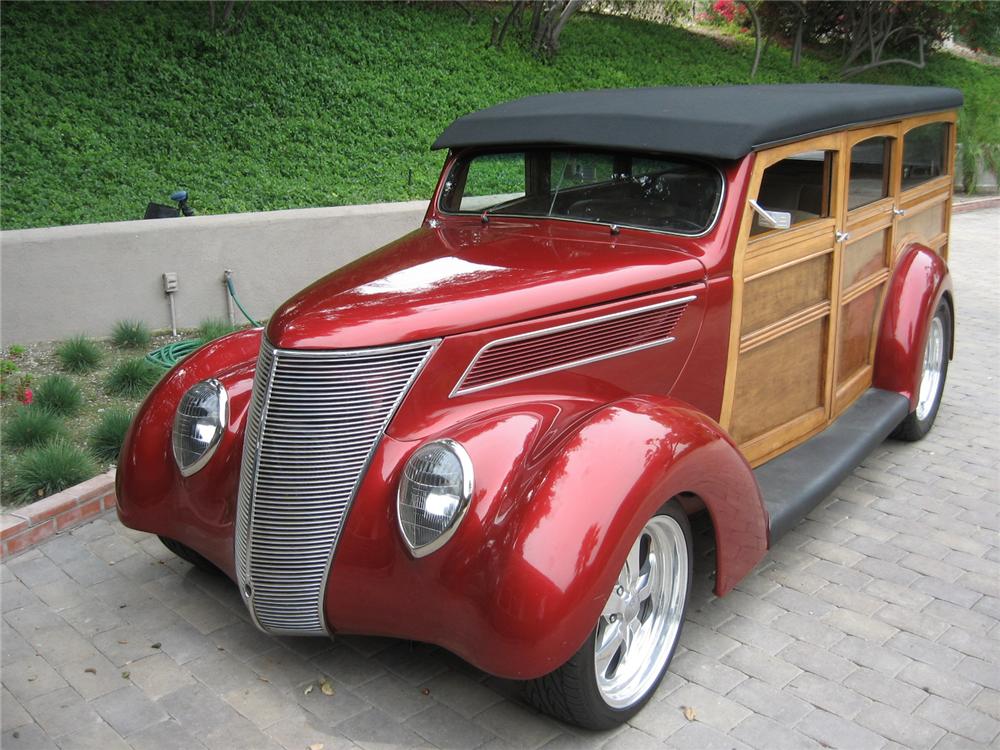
[930, 378]
[642, 619]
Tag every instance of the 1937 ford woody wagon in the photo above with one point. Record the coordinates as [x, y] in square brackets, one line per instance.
[622, 308]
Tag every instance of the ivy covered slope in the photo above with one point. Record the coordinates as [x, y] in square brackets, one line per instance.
[108, 106]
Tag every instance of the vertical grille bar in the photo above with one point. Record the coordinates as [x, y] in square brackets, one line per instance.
[314, 422]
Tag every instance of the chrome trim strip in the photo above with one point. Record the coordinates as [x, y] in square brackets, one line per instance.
[459, 391]
[468, 487]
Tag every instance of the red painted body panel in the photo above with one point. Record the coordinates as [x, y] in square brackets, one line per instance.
[919, 282]
[520, 585]
[568, 465]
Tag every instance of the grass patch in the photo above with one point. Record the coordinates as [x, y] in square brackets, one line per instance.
[78, 354]
[214, 328]
[29, 427]
[131, 334]
[42, 471]
[133, 377]
[108, 435]
[315, 104]
[59, 394]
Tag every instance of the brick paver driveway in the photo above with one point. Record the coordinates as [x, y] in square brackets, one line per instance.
[876, 623]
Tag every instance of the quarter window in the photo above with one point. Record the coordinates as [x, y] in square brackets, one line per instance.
[869, 180]
[798, 185]
[924, 150]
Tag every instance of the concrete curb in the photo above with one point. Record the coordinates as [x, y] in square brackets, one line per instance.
[975, 205]
[22, 528]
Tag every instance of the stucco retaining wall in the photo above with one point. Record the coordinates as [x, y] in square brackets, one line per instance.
[61, 281]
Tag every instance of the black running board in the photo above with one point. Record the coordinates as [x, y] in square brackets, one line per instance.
[797, 481]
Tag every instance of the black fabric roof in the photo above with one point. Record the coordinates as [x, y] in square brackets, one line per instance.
[725, 122]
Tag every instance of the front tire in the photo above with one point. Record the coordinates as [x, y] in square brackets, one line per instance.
[189, 555]
[932, 376]
[624, 658]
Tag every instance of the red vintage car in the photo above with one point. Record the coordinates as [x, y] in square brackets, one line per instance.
[623, 308]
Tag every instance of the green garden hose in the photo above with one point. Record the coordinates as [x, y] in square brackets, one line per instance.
[169, 355]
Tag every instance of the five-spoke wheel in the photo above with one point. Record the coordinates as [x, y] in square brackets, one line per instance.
[620, 665]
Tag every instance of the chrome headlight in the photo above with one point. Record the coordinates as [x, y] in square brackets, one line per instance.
[200, 421]
[433, 495]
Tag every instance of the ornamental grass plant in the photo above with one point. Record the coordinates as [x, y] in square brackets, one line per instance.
[78, 354]
[49, 468]
[131, 334]
[58, 394]
[109, 433]
[133, 377]
[30, 427]
[214, 328]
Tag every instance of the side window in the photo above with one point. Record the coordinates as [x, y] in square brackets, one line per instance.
[798, 185]
[571, 169]
[491, 179]
[925, 152]
[869, 178]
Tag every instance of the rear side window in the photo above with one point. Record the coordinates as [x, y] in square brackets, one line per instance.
[869, 179]
[670, 194]
[924, 151]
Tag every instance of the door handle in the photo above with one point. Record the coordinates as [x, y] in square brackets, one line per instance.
[842, 236]
[898, 211]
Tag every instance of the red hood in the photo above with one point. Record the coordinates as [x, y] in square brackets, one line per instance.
[454, 279]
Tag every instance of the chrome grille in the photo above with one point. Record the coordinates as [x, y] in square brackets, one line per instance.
[315, 419]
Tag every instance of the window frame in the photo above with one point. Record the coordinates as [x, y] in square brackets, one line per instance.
[464, 157]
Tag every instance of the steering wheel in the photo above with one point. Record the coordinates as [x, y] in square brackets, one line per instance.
[675, 222]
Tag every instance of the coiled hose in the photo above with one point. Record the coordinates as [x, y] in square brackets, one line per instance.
[169, 355]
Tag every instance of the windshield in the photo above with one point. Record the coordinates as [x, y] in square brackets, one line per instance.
[669, 194]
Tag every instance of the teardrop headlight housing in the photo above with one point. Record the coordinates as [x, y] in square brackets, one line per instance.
[199, 424]
[434, 494]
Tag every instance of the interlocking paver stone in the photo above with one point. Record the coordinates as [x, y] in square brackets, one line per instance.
[874, 624]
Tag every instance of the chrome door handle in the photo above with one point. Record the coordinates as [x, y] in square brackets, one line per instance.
[898, 211]
[842, 236]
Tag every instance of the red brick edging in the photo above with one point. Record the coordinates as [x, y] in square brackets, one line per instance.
[22, 528]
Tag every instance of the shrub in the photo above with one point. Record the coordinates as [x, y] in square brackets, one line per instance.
[78, 354]
[28, 427]
[108, 435]
[58, 394]
[214, 328]
[15, 350]
[47, 469]
[131, 334]
[133, 377]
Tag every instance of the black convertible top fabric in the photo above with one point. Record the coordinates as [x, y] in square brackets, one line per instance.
[724, 122]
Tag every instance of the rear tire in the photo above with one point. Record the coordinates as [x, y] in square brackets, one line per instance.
[623, 660]
[189, 555]
[933, 374]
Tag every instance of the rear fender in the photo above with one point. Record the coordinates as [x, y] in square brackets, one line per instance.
[919, 283]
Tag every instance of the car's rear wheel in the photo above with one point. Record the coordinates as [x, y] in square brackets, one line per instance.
[186, 553]
[623, 660]
[932, 376]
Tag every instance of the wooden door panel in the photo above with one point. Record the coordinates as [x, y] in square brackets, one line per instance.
[778, 381]
[776, 295]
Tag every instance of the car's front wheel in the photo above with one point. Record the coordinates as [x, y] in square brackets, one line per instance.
[621, 663]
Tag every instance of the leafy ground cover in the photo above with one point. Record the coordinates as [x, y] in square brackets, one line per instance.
[109, 105]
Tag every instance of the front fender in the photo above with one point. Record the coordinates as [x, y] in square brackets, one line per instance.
[919, 283]
[522, 582]
[152, 495]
